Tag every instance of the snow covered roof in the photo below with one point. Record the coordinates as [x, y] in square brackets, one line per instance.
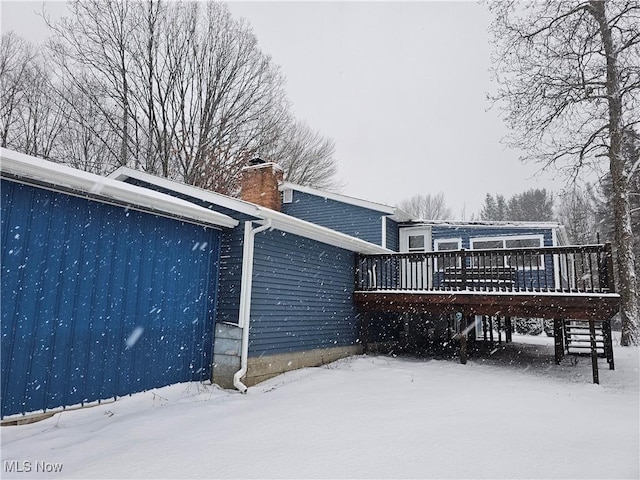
[393, 212]
[483, 224]
[54, 176]
[279, 220]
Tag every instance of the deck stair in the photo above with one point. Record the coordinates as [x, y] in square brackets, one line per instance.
[578, 339]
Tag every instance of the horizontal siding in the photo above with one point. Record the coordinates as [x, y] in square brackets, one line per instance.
[358, 222]
[393, 236]
[528, 279]
[466, 233]
[302, 296]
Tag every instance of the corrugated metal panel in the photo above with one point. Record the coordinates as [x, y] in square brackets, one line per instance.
[232, 240]
[302, 295]
[352, 220]
[80, 280]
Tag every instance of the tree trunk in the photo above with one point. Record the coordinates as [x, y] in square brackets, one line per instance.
[620, 182]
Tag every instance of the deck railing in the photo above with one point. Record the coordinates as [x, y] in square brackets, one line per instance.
[568, 269]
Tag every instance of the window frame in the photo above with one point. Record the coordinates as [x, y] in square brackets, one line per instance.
[506, 258]
[437, 242]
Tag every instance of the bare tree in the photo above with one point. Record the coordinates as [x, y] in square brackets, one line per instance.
[568, 80]
[427, 207]
[577, 211]
[306, 156]
[91, 47]
[16, 59]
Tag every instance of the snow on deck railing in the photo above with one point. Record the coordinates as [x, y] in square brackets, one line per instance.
[570, 269]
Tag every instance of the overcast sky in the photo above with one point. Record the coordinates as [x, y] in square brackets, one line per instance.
[400, 87]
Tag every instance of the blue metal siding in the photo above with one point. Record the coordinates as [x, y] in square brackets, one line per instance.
[302, 295]
[352, 220]
[231, 242]
[79, 277]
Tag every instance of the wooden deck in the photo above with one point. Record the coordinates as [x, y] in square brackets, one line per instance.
[558, 283]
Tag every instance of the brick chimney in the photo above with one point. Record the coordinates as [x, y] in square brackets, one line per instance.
[260, 182]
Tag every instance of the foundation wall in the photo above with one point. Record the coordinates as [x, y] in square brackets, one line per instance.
[265, 367]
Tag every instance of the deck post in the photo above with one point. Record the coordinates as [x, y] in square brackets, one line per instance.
[364, 332]
[463, 339]
[558, 339]
[507, 329]
[594, 351]
[608, 343]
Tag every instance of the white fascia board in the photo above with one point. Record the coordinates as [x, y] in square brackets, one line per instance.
[219, 199]
[295, 226]
[505, 224]
[378, 207]
[56, 176]
[280, 221]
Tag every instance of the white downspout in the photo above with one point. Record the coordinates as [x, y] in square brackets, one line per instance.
[244, 313]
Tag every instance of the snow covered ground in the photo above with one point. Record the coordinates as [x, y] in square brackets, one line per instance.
[513, 415]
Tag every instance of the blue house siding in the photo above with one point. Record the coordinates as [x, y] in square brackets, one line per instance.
[466, 233]
[99, 301]
[352, 220]
[302, 296]
[393, 235]
[531, 279]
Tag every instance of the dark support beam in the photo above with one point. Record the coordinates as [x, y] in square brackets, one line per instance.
[594, 351]
[484, 328]
[463, 335]
[558, 339]
[499, 332]
[491, 330]
[507, 329]
[364, 331]
[608, 343]
[463, 348]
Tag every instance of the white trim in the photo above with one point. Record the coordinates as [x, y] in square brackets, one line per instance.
[384, 232]
[378, 207]
[556, 261]
[394, 213]
[405, 233]
[280, 221]
[537, 236]
[246, 286]
[438, 241]
[504, 224]
[58, 177]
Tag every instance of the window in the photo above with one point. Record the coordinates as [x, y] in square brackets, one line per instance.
[416, 243]
[447, 245]
[519, 260]
[287, 195]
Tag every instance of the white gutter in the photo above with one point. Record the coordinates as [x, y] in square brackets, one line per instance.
[280, 221]
[244, 314]
[57, 177]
